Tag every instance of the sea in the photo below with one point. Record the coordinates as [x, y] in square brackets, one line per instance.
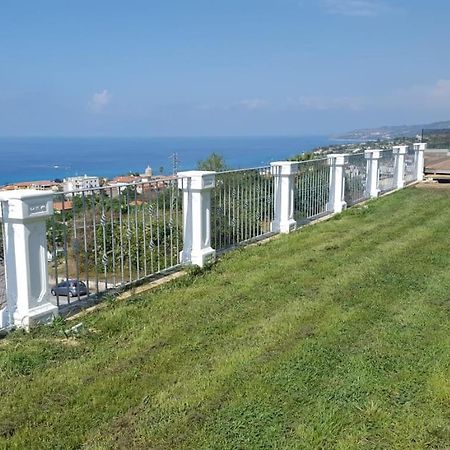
[27, 159]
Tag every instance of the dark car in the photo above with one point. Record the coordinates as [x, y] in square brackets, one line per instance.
[70, 288]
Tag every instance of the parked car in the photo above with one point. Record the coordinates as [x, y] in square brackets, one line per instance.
[70, 288]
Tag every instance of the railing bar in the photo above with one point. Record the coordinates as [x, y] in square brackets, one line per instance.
[122, 256]
[171, 225]
[220, 240]
[105, 254]
[86, 256]
[94, 224]
[177, 199]
[76, 249]
[226, 212]
[259, 203]
[230, 227]
[55, 258]
[250, 208]
[265, 206]
[311, 192]
[255, 207]
[309, 196]
[157, 230]
[235, 212]
[130, 266]
[151, 211]
[165, 227]
[63, 216]
[237, 202]
[315, 192]
[246, 189]
[144, 229]
[136, 233]
[113, 238]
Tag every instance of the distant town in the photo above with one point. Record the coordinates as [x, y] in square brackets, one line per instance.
[356, 147]
[87, 184]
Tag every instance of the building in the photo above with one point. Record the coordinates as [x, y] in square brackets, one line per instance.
[147, 175]
[59, 206]
[41, 185]
[86, 184]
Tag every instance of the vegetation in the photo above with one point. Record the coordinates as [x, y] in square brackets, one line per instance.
[305, 156]
[437, 138]
[215, 161]
[337, 336]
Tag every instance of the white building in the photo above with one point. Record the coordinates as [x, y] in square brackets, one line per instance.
[88, 184]
[147, 175]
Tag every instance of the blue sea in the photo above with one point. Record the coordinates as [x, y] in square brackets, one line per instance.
[25, 159]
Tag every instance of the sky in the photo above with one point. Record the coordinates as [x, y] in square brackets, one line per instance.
[221, 67]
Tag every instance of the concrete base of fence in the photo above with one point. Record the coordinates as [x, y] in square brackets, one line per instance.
[198, 258]
[38, 315]
[284, 227]
[4, 319]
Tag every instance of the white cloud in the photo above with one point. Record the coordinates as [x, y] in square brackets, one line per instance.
[250, 104]
[253, 104]
[326, 103]
[354, 7]
[440, 92]
[432, 97]
[99, 101]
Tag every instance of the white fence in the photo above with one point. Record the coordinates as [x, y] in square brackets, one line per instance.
[109, 241]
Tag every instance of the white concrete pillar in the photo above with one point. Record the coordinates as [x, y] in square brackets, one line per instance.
[399, 165]
[336, 202]
[372, 158]
[419, 149]
[24, 215]
[196, 187]
[284, 183]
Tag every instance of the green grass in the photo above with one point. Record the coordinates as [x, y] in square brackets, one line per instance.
[337, 336]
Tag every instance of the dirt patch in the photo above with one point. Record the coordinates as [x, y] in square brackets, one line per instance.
[432, 184]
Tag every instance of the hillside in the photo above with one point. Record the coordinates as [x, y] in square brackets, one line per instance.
[333, 337]
[389, 132]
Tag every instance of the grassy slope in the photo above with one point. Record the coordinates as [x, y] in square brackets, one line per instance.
[336, 336]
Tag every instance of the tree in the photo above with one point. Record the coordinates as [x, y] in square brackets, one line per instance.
[306, 156]
[214, 162]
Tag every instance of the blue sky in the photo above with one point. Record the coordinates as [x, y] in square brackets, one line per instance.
[220, 67]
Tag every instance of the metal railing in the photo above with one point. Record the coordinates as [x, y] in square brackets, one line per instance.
[410, 165]
[113, 236]
[355, 179]
[2, 264]
[241, 206]
[386, 171]
[311, 191]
